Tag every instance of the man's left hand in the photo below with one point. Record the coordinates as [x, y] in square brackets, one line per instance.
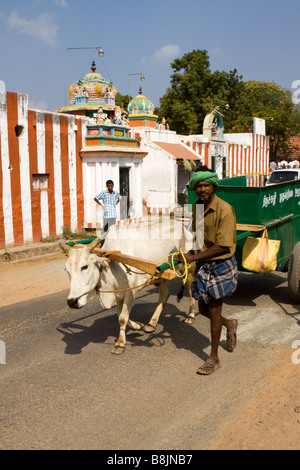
[188, 257]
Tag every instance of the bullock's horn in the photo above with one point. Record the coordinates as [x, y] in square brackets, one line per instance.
[65, 247]
[96, 242]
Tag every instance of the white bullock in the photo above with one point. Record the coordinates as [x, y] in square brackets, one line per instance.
[112, 282]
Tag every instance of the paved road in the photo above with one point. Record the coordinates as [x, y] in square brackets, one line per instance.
[61, 388]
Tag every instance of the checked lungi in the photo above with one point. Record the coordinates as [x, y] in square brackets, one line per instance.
[215, 280]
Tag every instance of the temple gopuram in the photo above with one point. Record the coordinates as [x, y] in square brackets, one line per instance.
[89, 94]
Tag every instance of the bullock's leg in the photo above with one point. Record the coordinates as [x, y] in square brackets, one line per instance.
[192, 311]
[134, 325]
[123, 308]
[163, 294]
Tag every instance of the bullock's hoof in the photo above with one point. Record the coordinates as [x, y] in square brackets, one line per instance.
[118, 350]
[189, 320]
[137, 326]
[149, 328]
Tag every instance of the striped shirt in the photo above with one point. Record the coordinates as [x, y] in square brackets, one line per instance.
[110, 202]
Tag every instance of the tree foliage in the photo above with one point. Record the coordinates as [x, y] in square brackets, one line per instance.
[274, 104]
[194, 91]
[122, 101]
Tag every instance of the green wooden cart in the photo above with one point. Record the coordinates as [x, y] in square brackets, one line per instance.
[275, 207]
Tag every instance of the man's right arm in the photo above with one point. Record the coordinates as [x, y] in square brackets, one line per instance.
[97, 199]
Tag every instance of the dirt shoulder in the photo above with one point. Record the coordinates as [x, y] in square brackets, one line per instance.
[270, 421]
[32, 278]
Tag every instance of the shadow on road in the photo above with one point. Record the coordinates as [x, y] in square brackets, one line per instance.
[80, 332]
[77, 334]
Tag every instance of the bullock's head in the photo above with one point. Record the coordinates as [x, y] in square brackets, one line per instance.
[83, 268]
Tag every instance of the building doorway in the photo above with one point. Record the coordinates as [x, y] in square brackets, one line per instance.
[183, 179]
[124, 192]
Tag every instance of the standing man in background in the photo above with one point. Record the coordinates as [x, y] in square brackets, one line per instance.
[110, 198]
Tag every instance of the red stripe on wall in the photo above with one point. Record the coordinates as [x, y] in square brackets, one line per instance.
[13, 145]
[256, 155]
[230, 151]
[49, 165]
[263, 143]
[64, 151]
[253, 154]
[266, 159]
[260, 154]
[2, 228]
[236, 160]
[202, 152]
[248, 160]
[233, 160]
[229, 161]
[79, 177]
[33, 168]
[267, 154]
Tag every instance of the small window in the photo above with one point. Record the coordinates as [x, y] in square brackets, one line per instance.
[40, 181]
[19, 130]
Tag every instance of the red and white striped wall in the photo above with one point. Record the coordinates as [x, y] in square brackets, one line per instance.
[32, 144]
[251, 160]
[247, 154]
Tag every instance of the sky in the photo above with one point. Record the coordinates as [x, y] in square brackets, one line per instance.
[259, 38]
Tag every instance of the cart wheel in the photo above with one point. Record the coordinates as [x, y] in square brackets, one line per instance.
[294, 274]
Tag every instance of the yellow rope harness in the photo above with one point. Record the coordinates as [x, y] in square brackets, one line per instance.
[116, 291]
[186, 266]
[171, 264]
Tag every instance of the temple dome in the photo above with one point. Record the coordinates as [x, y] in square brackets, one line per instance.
[93, 86]
[92, 76]
[140, 105]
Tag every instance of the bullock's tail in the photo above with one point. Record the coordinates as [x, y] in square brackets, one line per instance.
[180, 293]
